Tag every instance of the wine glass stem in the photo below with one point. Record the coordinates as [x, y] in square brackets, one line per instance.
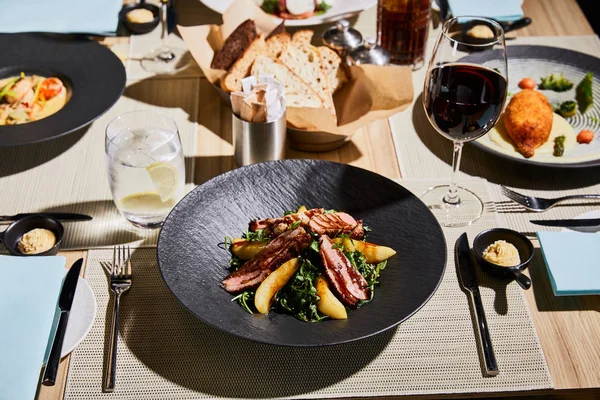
[163, 23]
[452, 196]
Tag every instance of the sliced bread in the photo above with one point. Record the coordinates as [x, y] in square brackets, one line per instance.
[304, 60]
[232, 82]
[332, 66]
[303, 37]
[297, 92]
[235, 45]
[278, 43]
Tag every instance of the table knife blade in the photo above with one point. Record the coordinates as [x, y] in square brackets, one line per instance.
[567, 223]
[468, 281]
[64, 303]
[58, 215]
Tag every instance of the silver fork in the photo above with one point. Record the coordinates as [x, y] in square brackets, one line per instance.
[120, 282]
[539, 204]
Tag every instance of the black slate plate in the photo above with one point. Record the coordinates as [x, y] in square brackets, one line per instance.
[193, 263]
[538, 61]
[94, 75]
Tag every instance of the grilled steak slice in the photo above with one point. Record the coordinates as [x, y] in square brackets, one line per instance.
[276, 226]
[358, 232]
[333, 224]
[281, 249]
[345, 280]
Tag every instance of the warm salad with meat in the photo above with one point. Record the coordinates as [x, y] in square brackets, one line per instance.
[313, 264]
[30, 98]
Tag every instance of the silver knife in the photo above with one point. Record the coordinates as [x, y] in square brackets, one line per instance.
[57, 215]
[468, 281]
[64, 303]
[567, 222]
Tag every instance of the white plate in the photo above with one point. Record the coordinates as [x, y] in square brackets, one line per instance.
[81, 318]
[340, 9]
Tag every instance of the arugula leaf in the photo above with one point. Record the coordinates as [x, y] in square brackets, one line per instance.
[314, 246]
[299, 297]
[256, 236]
[244, 299]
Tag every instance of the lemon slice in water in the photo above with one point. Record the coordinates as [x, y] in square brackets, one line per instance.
[165, 179]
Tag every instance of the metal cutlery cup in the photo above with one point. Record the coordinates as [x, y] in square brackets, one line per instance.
[539, 204]
[120, 281]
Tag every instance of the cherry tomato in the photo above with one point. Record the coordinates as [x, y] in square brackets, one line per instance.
[50, 87]
[585, 136]
[527, 83]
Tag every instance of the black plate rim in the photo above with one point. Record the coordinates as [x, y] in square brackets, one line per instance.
[552, 53]
[300, 345]
[115, 66]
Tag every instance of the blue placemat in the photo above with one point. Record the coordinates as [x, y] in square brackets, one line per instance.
[28, 301]
[502, 10]
[572, 262]
[99, 17]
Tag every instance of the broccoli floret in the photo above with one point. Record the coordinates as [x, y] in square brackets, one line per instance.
[556, 82]
[566, 108]
[584, 92]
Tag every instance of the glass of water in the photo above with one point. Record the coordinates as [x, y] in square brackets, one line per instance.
[145, 166]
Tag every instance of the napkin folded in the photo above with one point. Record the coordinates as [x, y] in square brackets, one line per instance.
[28, 302]
[99, 17]
[572, 262]
[503, 10]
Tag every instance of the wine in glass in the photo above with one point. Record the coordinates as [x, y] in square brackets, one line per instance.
[166, 59]
[464, 94]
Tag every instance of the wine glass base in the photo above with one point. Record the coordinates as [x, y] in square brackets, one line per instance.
[468, 210]
[166, 60]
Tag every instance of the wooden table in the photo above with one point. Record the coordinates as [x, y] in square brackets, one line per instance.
[568, 328]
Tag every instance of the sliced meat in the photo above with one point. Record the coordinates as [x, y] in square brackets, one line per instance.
[281, 249]
[276, 226]
[332, 224]
[358, 232]
[345, 280]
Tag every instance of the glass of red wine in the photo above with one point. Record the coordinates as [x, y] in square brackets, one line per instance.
[464, 94]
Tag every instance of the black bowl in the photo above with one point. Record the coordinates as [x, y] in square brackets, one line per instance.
[140, 28]
[11, 236]
[520, 241]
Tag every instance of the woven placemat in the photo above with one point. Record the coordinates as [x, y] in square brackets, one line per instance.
[69, 174]
[164, 352]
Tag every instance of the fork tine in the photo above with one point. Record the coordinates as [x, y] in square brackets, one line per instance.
[114, 263]
[119, 261]
[511, 194]
[123, 262]
[128, 269]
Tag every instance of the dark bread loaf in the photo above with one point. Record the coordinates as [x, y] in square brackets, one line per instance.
[235, 45]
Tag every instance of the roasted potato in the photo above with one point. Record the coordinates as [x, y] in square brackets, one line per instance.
[373, 253]
[246, 249]
[329, 304]
[273, 283]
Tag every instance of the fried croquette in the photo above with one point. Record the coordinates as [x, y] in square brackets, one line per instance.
[528, 120]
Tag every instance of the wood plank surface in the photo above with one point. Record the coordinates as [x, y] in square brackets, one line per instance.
[568, 329]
